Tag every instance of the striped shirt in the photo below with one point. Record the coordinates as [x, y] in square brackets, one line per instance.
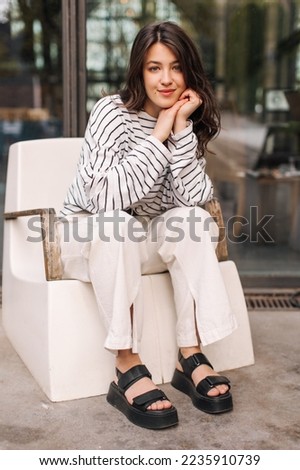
[122, 166]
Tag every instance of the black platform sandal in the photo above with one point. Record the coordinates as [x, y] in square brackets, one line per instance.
[138, 413]
[182, 381]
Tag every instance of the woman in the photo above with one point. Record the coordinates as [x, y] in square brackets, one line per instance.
[139, 186]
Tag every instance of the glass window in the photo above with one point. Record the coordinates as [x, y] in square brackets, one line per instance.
[111, 28]
[30, 75]
[251, 53]
[257, 163]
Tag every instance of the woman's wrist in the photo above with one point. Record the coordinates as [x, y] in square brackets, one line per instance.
[179, 125]
[158, 135]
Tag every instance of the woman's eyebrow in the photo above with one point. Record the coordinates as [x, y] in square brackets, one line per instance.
[160, 63]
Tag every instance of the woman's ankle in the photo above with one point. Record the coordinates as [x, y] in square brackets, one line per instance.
[189, 351]
[126, 359]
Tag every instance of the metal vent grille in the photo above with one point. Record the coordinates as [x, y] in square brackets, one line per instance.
[287, 300]
[274, 300]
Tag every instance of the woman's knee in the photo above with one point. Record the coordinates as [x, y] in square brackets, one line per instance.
[119, 226]
[193, 221]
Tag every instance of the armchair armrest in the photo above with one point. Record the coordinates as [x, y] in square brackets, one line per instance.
[51, 250]
[214, 208]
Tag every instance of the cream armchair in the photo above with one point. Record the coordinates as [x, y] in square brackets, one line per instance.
[54, 324]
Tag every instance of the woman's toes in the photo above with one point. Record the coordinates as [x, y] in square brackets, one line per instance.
[223, 389]
[156, 406]
[218, 390]
[160, 405]
[214, 392]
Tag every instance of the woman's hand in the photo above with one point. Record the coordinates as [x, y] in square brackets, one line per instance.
[175, 118]
[192, 101]
[166, 119]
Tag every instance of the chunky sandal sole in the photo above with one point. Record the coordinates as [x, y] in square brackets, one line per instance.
[146, 419]
[213, 405]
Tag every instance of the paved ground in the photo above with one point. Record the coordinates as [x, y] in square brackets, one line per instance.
[266, 396]
[266, 405]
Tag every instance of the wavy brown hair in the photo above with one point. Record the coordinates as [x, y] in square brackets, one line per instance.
[206, 118]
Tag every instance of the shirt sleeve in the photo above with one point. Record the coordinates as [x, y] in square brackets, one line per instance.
[190, 184]
[113, 178]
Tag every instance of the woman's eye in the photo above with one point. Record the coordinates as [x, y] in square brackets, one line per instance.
[153, 69]
[177, 68]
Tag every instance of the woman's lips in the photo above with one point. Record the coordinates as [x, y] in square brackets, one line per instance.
[166, 92]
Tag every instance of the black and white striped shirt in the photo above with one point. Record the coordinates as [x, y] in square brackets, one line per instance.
[122, 166]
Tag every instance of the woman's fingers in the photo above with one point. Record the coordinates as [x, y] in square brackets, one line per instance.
[191, 95]
[176, 116]
[193, 102]
[166, 119]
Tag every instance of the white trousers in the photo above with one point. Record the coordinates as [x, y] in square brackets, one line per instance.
[113, 250]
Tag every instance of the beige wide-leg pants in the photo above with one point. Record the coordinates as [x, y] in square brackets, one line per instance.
[113, 250]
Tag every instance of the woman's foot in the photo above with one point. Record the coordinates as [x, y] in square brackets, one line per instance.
[194, 376]
[124, 361]
[201, 372]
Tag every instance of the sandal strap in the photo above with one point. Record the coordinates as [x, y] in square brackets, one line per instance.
[210, 382]
[131, 376]
[146, 399]
[189, 365]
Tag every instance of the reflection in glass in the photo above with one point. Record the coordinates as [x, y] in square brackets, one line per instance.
[251, 52]
[30, 75]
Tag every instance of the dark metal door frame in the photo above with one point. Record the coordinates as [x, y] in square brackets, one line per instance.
[74, 67]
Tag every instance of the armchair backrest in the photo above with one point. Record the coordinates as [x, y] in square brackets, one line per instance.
[40, 172]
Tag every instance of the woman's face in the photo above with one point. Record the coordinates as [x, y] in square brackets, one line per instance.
[163, 79]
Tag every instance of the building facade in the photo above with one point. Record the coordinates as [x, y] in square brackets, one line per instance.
[57, 57]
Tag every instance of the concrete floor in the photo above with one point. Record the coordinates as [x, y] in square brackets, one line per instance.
[266, 411]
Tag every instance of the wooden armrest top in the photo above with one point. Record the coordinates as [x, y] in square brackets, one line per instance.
[27, 212]
[53, 266]
[214, 208]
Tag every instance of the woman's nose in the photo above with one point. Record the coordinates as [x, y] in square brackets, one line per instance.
[166, 78]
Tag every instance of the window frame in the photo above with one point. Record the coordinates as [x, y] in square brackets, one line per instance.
[74, 67]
